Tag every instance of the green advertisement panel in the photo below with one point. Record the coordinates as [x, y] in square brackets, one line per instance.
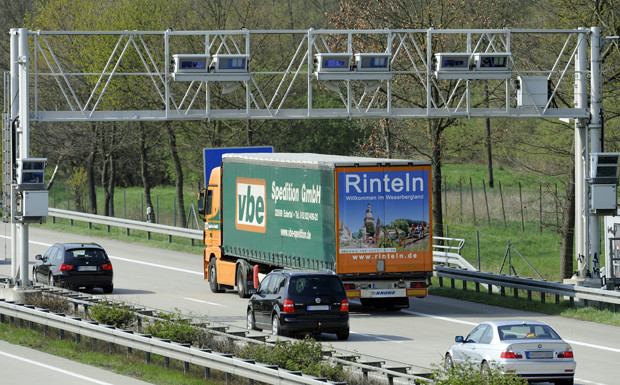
[279, 215]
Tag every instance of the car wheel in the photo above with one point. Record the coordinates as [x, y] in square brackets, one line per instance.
[343, 334]
[242, 289]
[485, 370]
[108, 289]
[34, 276]
[215, 288]
[250, 321]
[276, 328]
[565, 382]
[447, 363]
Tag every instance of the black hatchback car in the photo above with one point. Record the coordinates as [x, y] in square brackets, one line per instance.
[75, 265]
[292, 302]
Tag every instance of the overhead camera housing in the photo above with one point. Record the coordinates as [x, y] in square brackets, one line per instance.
[493, 65]
[190, 67]
[372, 62]
[471, 66]
[452, 65]
[332, 62]
[230, 63]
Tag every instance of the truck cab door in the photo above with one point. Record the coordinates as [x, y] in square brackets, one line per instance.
[213, 218]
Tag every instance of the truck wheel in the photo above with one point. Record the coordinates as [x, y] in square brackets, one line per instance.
[242, 287]
[215, 288]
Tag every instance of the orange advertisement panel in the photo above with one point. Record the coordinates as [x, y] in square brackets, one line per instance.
[384, 219]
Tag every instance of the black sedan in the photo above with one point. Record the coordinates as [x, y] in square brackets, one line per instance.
[292, 302]
[75, 265]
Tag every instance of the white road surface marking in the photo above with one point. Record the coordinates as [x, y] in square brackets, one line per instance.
[66, 372]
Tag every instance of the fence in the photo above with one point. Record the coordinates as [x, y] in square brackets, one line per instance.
[132, 205]
[473, 202]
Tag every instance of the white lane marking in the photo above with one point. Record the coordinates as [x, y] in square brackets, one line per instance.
[593, 346]
[157, 265]
[615, 350]
[49, 367]
[207, 302]
[377, 337]
[440, 318]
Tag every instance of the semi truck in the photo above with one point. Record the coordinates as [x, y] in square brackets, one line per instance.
[366, 219]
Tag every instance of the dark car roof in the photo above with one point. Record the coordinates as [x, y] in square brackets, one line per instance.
[293, 273]
[69, 246]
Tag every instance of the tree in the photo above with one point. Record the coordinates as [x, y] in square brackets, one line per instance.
[364, 14]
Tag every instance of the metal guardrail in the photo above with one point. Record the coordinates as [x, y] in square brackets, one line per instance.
[226, 363]
[573, 292]
[170, 231]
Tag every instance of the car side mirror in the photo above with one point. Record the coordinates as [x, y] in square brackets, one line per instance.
[458, 339]
[38, 257]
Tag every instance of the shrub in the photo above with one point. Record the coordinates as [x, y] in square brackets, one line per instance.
[109, 313]
[50, 302]
[470, 373]
[304, 355]
[173, 327]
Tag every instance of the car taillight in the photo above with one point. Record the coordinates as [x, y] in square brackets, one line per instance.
[65, 267]
[508, 353]
[289, 306]
[344, 305]
[566, 354]
[107, 266]
[349, 286]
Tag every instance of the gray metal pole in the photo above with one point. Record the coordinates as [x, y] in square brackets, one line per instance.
[14, 113]
[596, 145]
[24, 142]
[581, 100]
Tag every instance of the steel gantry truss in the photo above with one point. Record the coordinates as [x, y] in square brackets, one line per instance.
[411, 86]
[60, 76]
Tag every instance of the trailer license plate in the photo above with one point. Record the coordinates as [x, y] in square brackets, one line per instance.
[87, 268]
[317, 307]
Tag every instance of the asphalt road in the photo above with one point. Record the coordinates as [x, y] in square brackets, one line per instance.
[417, 336]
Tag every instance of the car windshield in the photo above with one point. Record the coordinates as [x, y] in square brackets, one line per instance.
[316, 285]
[85, 254]
[524, 331]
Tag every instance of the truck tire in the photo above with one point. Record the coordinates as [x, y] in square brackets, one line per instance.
[242, 280]
[215, 288]
[242, 287]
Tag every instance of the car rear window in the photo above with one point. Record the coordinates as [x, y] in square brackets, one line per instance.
[85, 254]
[316, 285]
[518, 332]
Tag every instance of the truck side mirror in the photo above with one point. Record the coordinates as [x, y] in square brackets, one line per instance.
[200, 203]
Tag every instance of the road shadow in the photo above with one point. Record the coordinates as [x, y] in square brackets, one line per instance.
[118, 291]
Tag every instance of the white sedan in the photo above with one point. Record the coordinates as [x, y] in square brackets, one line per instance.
[529, 349]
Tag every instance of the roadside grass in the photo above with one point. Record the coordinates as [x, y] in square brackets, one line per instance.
[114, 359]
